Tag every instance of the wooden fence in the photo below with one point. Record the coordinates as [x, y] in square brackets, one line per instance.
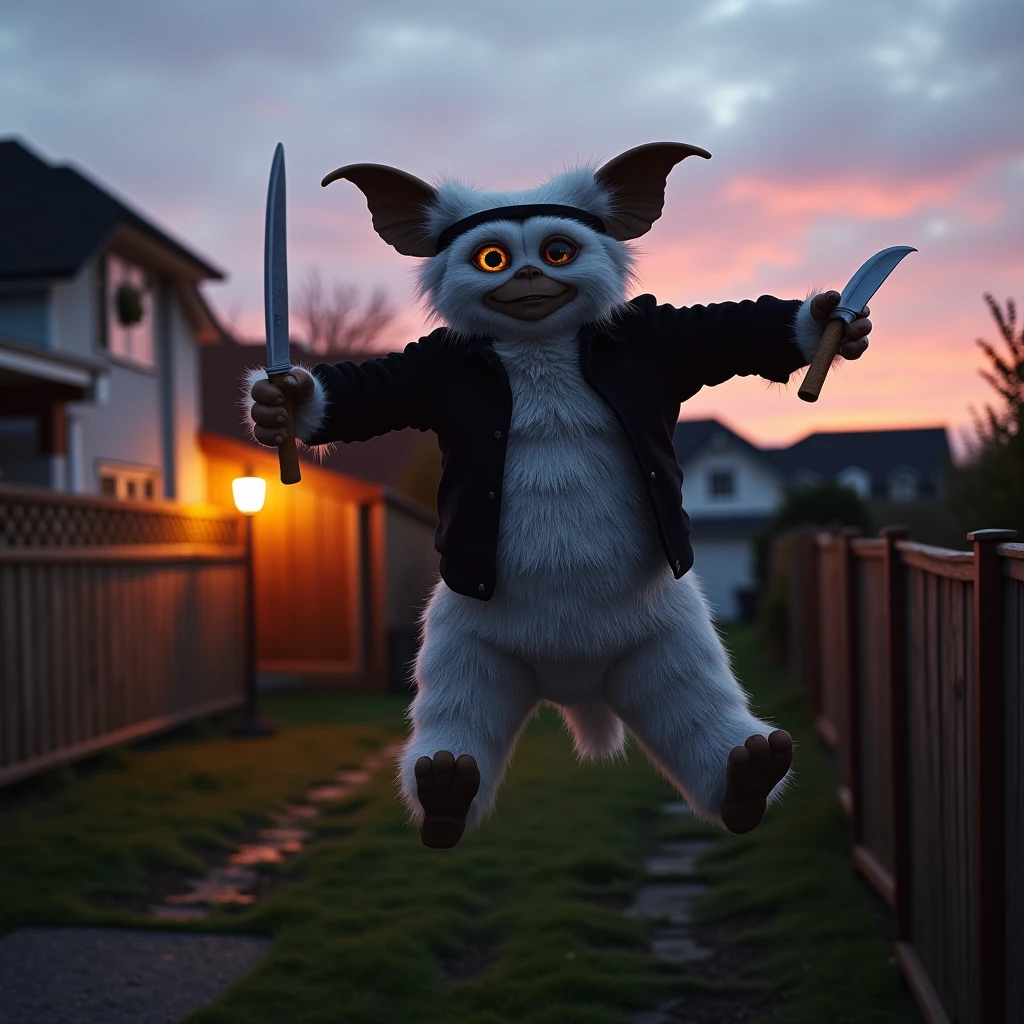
[913, 658]
[115, 621]
[343, 568]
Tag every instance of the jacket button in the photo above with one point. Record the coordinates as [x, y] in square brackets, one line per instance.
[653, 475]
[497, 433]
[490, 494]
[677, 565]
[482, 588]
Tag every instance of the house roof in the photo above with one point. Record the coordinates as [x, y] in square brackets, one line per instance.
[693, 436]
[879, 452]
[54, 218]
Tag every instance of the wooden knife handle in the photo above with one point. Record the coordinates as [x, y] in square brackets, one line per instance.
[287, 452]
[828, 347]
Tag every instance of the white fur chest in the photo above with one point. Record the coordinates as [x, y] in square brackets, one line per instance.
[578, 551]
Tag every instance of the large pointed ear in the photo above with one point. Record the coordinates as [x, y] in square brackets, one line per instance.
[397, 203]
[636, 180]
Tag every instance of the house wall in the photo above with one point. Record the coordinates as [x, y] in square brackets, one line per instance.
[145, 417]
[724, 567]
[73, 313]
[25, 315]
[757, 490]
[187, 462]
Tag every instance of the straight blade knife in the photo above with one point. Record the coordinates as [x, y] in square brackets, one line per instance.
[275, 305]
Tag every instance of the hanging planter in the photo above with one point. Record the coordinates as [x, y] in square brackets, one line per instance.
[128, 302]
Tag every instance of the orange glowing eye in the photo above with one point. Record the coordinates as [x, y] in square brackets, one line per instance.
[491, 258]
[557, 251]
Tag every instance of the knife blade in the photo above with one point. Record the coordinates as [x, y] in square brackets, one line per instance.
[855, 296]
[275, 306]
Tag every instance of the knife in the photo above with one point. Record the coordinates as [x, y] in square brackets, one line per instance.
[855, 297]
[275, 304]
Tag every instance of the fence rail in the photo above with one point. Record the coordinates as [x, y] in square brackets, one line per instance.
[115, 622]
[913, 659]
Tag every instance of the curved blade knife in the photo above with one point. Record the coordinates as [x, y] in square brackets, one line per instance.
[275, 304]
[855, 297]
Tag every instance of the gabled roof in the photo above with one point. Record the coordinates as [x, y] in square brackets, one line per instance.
[693, 436]
[879, 452]
[54, 219]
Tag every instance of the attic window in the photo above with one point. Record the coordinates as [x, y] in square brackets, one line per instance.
[127, 311]
[722, 484]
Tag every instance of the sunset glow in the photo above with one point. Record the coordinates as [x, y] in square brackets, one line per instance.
[911, 135]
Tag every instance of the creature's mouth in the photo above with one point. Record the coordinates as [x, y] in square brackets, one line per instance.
[530, 298]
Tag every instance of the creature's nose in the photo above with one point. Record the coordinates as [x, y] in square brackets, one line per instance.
[527, 272]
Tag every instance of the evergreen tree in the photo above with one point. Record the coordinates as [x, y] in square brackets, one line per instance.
[987, 491]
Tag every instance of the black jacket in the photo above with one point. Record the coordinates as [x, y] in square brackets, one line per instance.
[644, 366]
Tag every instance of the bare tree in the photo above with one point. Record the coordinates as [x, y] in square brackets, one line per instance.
[337, 327]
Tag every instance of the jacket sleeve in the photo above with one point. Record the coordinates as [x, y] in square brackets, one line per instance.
[357, 401]
[707, 345]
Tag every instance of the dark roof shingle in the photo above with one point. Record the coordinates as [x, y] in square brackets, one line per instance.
[54, 219]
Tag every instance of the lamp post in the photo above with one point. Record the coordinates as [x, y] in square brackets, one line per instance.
[249, 492]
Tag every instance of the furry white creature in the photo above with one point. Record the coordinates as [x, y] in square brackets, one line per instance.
[562, 536]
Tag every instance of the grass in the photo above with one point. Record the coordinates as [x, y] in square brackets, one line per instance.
[520, 923]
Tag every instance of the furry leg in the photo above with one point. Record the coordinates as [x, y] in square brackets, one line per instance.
[596, 731]
[471, 699]
[680, 699]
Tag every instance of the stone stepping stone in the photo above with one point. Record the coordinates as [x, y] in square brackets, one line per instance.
[677, 858]
[677, 809]
[672, 902]
[678, 946]
[329, 793]
[235, 882]
[111, 976]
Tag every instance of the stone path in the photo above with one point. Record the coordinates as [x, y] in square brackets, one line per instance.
[110, 976]
[236, 882]
[116, 976]
[669, 897]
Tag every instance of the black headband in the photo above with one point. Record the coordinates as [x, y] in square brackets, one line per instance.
[517, 213]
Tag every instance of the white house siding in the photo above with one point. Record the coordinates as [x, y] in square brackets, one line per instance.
[189, 464]
[126, 430]
[758, 491]
[73, 315]
[724, 568]
[25, 314]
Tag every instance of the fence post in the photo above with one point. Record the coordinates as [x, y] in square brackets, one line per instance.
[989, 811]
[896, 683]
[810, 652]
[851, 638]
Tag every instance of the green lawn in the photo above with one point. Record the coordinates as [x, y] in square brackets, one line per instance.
[520, 923]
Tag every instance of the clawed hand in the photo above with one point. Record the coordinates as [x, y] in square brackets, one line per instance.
[855, 337]
[268, 410]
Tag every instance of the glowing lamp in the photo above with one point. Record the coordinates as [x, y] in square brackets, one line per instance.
[249, 493]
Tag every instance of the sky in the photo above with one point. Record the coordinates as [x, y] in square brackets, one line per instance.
[836, 129]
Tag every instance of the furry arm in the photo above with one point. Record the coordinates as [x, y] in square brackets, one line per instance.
[364, 400]
[768, 337]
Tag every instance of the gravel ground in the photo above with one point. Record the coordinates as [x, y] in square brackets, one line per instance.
[108, 976]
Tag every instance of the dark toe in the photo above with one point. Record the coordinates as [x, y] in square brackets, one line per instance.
[424, 768]
[758, 747]
[444, 762]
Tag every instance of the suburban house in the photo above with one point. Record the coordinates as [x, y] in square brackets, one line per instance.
[104, 455]
[732, 488]
[101, 319]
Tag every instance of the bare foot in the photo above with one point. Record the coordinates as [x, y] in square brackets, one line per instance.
[752, 773]
[446, 788]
